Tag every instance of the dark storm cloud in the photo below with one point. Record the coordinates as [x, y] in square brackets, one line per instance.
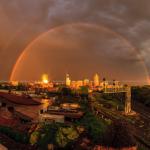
[130, 18]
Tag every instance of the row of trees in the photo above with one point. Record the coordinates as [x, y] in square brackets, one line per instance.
[60, 135]
[142, 95]
[66, 91]
[116, 135]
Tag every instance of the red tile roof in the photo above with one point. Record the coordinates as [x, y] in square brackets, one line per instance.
[20, 100]
[14, 124]
[7, 122]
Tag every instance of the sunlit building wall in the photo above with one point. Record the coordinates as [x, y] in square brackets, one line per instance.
[86, 82]
[68, 80]
[45, 79]
[79, 83]
[96, 80]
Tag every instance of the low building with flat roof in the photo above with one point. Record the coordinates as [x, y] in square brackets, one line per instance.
[46, 117]
[70, 106]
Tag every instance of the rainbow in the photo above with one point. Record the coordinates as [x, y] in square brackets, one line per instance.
[72, 24]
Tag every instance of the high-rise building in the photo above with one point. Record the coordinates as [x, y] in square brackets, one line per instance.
[79, 83]
[73, 84]
[96, 80]
[68, 81]
[86, 82]
[45, 79]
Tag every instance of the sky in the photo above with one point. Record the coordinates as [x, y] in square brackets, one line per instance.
[111, 37]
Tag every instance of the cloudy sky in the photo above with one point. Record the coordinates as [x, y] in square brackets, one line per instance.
[111, 37]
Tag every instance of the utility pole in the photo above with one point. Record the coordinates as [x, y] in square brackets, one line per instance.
[128, 101]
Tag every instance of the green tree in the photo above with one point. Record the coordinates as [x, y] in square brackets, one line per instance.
[119, 135]
[95, 127]
[34, 138]
[66, 135]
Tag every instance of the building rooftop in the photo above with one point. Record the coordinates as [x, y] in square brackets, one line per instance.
[16, 99]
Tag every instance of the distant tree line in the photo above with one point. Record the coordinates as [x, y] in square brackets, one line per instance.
[142, 95]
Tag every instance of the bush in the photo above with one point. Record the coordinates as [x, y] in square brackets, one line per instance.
[43, 135]
[35, 136]
[119, 135]
[142, 95]
[65, 136]
[95, 127]
[60, 135]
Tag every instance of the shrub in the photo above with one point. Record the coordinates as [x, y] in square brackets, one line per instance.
[65, 136]
[35, 136]
[95, 127]
[119, 135]
[142, 95]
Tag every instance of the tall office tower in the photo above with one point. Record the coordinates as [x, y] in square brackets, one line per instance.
[68, 81]
[45, 79]
[96, 80]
